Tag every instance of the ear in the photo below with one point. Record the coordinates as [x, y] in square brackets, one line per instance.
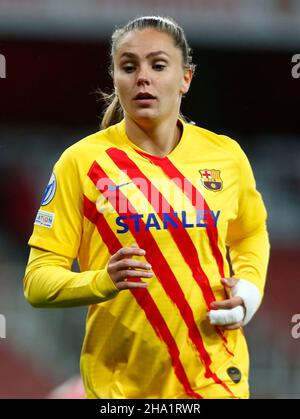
[115, 89]
[186, 81]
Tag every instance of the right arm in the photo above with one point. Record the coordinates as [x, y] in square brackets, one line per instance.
[49, 282]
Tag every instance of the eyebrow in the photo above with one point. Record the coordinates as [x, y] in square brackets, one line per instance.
[151, 54]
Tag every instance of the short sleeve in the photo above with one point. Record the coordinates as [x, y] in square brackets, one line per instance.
[58, 223]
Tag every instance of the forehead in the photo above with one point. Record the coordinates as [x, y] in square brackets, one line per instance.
[143, 42]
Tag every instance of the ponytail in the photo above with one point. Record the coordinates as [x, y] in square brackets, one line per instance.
[113, 112]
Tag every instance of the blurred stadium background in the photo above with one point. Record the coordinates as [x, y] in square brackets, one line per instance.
[56, 54]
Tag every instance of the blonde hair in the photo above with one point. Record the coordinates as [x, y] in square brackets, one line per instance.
[113, 112]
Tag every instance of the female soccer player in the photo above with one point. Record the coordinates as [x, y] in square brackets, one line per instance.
[149, 206]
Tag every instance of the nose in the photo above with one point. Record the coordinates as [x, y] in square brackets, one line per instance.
[143, 78]
[142, 81]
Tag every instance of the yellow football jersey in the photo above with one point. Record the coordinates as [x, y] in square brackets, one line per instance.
[184, 210]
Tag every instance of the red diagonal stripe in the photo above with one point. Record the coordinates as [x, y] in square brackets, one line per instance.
[143, 298]
[180, 235]
[195, 197]
[160, 266]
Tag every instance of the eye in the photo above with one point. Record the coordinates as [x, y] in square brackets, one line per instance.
[159, 66]
[129, 68]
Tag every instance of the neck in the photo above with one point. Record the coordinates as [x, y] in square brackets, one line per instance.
[157, 139]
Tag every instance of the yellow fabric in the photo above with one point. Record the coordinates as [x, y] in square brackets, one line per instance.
[124, 354]
[49, 282]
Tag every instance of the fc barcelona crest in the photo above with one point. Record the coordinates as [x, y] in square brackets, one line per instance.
[211, 179]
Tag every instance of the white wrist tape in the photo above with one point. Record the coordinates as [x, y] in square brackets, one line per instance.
[251, 297]
[250, 294]
[223, 317]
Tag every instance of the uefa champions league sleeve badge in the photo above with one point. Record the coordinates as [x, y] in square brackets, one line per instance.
[49, 191]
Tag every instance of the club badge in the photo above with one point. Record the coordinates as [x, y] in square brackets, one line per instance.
[211, 179]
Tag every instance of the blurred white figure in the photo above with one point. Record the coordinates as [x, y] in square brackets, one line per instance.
[70, 389]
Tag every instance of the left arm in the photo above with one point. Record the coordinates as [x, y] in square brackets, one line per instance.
[249, 249]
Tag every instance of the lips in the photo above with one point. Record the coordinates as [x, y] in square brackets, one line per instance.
[144, 96]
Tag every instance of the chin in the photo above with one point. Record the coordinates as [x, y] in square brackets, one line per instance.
[145, 115]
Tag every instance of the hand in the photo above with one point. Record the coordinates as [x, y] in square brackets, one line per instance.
[229, 304]
[121, 266]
